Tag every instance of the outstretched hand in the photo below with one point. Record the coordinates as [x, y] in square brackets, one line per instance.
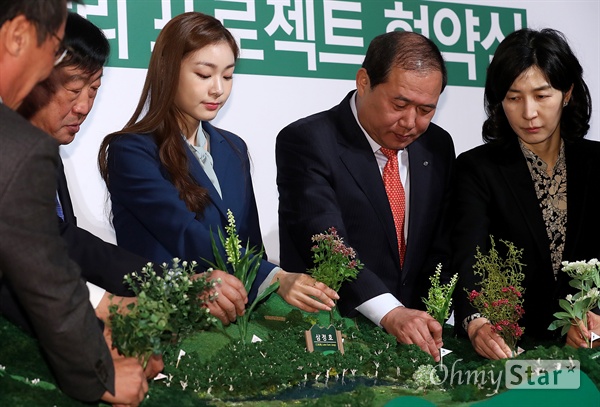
[413, 326]
[108, 299]
[304, 292]
[231, 297]
[131, 385]
[154, 366]
[485, 341]
[575, 336]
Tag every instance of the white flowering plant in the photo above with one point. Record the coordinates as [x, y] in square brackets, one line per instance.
[243, 266]
[585, 277]
[439, 298]
[425, 377]
[169, 306]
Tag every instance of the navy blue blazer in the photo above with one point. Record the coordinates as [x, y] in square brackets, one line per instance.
[151, 220]
[494, 194]
[327, 175]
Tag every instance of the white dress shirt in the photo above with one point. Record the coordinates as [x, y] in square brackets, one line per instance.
[96, 294]
[377, 307]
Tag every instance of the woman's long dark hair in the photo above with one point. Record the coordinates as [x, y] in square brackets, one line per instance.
[184, 34]
[548, 50]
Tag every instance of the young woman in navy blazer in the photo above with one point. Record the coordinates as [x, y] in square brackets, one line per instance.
[172, 176]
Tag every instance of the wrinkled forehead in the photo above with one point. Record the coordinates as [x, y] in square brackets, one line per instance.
[73, 74]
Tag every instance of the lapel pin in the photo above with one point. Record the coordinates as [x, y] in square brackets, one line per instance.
[425, 163]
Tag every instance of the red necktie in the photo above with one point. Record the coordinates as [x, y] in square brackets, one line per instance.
[395, 193]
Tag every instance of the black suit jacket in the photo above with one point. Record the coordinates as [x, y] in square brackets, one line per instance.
[327, 175]
[35, 264]
[101, 263]
[495, 195]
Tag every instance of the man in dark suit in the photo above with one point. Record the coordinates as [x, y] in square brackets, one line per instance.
[33, 259]
[59, 106]
[330, 172]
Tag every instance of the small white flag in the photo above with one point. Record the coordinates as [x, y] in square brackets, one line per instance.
[443, 352]
[181, 353]
[520, 350]
[255, 339]
[160, 376]
[594, 336]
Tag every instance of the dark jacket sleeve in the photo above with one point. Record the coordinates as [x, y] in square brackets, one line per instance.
[102, 263]
[471, 200]
[35, 263]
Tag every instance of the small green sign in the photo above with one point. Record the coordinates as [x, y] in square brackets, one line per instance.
[325, 340]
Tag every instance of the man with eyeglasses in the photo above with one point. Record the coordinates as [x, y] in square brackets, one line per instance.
[59, 106]
[61, 51]
[33, 259]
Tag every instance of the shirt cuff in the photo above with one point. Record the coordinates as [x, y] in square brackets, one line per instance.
[377, 307]
[265, 284]
[96, 294]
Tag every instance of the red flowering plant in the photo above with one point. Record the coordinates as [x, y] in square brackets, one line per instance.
[334, 262]
[500, 298]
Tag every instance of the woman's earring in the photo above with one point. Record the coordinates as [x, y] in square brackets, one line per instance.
[566, 102]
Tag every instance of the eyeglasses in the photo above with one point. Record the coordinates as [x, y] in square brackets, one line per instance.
[61, 51]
